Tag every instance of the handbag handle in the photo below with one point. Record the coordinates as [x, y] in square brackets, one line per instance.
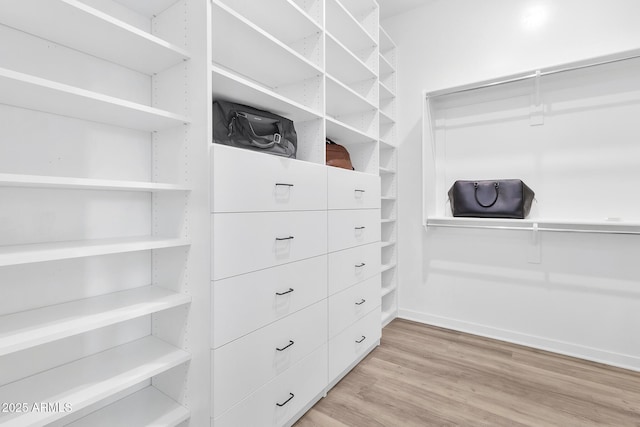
[496, 186]
[259, 141]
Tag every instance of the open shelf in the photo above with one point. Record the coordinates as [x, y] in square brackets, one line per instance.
[344, 65]
[102, 35]
[385, 92]
[385, 66]
[386, 44]
[387, 316]
[386, 171]
[254, 53]
[550, 225]
[88, 380]
[338, 131]
[386, 145]
[388, 198]
[299, 24]
[34, 327]
[387, 267]
[387, 221]
[385, 118]
[148, 8]
[25, 254]
[60, 182]
[35, 93]
[342, 100]
[147, 407]
[230, 87]
[387, 244]
[345, 27]
[386, 291]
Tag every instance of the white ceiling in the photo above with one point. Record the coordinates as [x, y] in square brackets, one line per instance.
[390, 8]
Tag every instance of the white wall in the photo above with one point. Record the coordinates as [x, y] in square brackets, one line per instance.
[584, 296]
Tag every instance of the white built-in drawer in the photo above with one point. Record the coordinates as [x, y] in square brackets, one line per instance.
[352, 343]
[245, 242]
[350, 228]
[351, 266]
[348, 306]
[277, 402]
[353, 190]
[244, 365]
[242, 304]
[246, 181]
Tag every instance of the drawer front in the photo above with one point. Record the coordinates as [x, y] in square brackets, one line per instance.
[346, 307]
[353, 190]
[245, 242]
[304, 381]
[242, 304]
[350, 228]
[243, 366]
[352, 343]
[352, 266]
[246, 181]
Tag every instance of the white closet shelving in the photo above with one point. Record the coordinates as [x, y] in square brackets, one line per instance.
[388, 174]
[318, 66]
[101, 166]
[88, 380]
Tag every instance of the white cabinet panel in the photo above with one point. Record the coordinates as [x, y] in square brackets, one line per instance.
[352, 304]
[349, 228]
[244, 365]
[351, 266]
[352, 343]
[245, 242]
[278, 401]
[242, 304]
[353, 190]
[245, 181]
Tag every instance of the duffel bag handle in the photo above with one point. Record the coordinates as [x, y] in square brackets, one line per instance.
[496, 186]
[260, 141]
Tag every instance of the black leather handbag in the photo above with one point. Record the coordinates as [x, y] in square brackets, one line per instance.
[258, 130]
[503, 198]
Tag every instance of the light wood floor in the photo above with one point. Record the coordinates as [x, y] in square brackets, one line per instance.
[426, 376]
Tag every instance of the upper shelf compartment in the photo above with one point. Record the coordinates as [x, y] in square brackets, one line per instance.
[292, 25]
[344, 65]
[366, 13]
[62, 21]
[252, 52]
[342, 24]
[35, 93]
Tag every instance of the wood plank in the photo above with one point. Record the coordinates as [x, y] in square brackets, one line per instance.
[423, 375]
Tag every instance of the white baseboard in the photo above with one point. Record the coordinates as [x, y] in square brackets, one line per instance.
[568, 349]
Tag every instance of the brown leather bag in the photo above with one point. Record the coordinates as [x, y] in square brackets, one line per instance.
[338, 156]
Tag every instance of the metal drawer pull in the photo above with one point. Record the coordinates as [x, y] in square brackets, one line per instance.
[362, 301]
[362, 264]
[286, 401]
[361, 339]
[286, 346]
[284, 293]
[282, 184]
[359, 191]
[360, 228]
[284, 238]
